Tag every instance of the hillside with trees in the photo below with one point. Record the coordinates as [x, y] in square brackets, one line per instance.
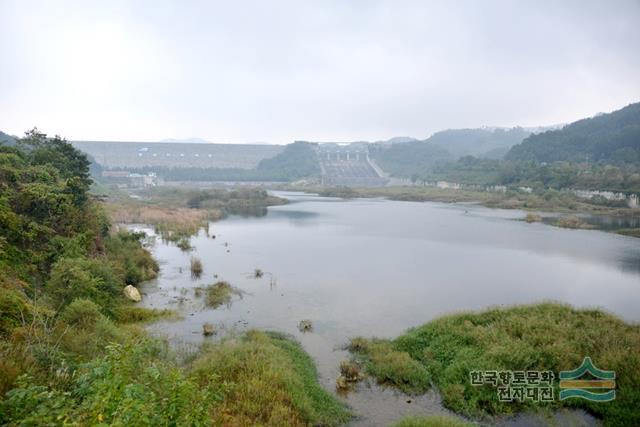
[6, 139]
[491, 143]
[409, 158]
[416, 158]
[605, 138]
[297, 160]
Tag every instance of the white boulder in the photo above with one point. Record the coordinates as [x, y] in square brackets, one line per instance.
[132, 293]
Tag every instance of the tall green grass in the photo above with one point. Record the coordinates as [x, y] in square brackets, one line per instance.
[255, 379]
[272, 381]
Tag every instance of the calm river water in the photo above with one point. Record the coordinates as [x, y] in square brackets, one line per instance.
[375, 267]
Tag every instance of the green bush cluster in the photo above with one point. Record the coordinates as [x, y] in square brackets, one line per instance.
[61, 270]
[132, 384]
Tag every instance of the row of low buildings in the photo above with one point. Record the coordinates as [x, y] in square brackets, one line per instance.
[126, 179]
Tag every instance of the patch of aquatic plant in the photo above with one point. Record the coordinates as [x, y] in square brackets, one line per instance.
[135, 314]
[341, 192]
[270, 380]
[171, 222]
[532, 217]
[350, 370]
[541, 337]
[305, 325]
[631, 232]
[350, 373]
[208, 329]
[184, 243]
[390, 366]
[220, 293]
[432, 421]
[196, 267]
[572, 222]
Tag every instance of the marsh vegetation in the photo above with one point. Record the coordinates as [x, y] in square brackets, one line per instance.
[196, 267]
[179, 213]
[539, 337]
[220, 293]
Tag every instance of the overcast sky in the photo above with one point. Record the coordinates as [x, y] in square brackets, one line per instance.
[275, 71]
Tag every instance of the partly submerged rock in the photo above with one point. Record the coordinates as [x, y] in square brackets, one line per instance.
[132, 293]
[208, 329]
[305, 325]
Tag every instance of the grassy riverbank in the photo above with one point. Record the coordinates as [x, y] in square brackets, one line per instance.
[540, 337]
[565, 204]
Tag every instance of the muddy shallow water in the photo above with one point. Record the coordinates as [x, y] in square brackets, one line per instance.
[376, 267]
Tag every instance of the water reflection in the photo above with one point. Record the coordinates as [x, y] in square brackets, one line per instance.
[376, 267]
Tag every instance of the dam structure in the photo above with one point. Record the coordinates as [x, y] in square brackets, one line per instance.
[349, 165]
[340, 164]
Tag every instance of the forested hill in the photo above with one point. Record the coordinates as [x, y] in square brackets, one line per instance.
[491, 143]
[419, 157]
[409, 158]
[606, 138]
[297, 160]
[6, 139]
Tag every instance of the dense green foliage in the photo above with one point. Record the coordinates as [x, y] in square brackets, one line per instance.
[538, 337]
[58, 260]
[132, 384]
[611, 138]
[44, 207]
[557, 175]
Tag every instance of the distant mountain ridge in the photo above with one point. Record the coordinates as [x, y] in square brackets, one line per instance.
[7, 139]
[479, 142]
[612, 137]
